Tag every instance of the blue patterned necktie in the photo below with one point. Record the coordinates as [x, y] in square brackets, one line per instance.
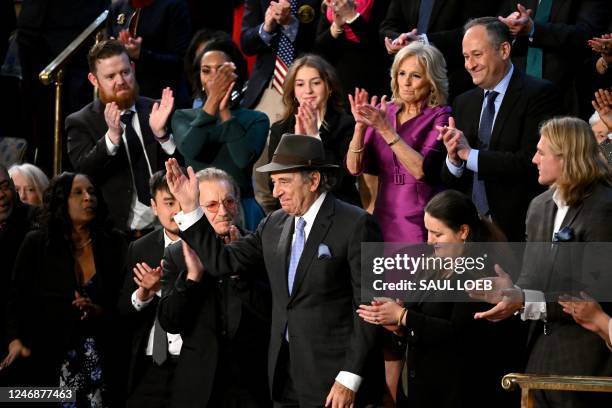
[479, 194]
[424, 16]
[296, 252]
[285, 50]
[535, 55]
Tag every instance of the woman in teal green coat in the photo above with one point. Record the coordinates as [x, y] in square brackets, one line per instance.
[221, 134]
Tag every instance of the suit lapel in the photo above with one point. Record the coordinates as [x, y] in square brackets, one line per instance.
[283, 250]
[143, 111]
[548, 223]
[317, 233]
[473, 118]
[572, 212]
[513, 93]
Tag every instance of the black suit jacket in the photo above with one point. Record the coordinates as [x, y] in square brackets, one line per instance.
[225, 325]
[567, 349]
[252, 44]
[336, 132]
[165, 28]
[563, 40]
[85, 131]
[445, 30]
[326, 335]
[510, 177]
[149, 249]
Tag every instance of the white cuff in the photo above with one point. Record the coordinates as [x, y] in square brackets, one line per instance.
[111, 148]
[472, 161]
[169, 146]
[139, 304]
[349, 380]
[352, 19]
[424, 39]
[186, 220]
[454, 170]
[535, 305]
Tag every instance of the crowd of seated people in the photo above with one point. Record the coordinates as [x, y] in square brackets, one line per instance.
[208, 252]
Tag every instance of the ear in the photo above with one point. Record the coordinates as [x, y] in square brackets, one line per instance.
[315, 178]
[92, 79]
[505, 50]
[154, 206]
[464, 231]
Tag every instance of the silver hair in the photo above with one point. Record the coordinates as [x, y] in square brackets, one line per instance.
[434, 64]
[328, 179]
[36, 176]
[215, 174]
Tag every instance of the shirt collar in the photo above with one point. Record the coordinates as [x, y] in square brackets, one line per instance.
[131, 109]
[502, 85]
[310, 215]
[168, 241]
[556, 197]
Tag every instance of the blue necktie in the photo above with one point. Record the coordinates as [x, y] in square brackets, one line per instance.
[424, 15]
[296, 252]
[535, 55]
[479, 194]
[286, 51]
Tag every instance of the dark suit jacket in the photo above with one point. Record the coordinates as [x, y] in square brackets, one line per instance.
[563, 40]
[510, 177]
[445, 30]
[165, 28]
[252, 44]
[41, 310]
[568, 349]
[85, 131]
[336, 132]
[149, 249]
[225, 325]
[326, 335]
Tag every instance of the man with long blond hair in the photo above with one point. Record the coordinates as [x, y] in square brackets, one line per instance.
[577, 208]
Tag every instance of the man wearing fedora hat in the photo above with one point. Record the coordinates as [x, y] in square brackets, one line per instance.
[320, 352]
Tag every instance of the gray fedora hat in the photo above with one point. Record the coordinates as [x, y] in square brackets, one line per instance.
[297, 151]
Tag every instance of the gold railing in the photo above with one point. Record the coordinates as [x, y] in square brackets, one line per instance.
[531, 382]
[53, 74]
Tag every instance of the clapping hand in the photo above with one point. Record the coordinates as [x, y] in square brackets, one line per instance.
[16, 349]
[307, 120]
[506, 298]
[148, 280]
[132, 45]
[219, 88]
[456, 143]
[519, 22]
[373, 116]
[158, 119]
[112, 116]
[359, 99]
[393, 46]
[602, 45]
[603, 105]
[185, 189]
[195, 269]
[382, 312]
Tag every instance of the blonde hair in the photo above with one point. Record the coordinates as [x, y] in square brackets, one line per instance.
[432, 61]
[34, 175]
[583, 166]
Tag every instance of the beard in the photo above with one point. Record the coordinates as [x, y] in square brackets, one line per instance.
[125, 101]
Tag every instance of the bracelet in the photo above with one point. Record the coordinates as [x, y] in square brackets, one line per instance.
[394, 141]
[401, 317]
[356, 150]
[335, 29]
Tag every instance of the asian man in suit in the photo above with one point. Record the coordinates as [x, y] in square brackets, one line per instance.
[494, 133]
[320, 351]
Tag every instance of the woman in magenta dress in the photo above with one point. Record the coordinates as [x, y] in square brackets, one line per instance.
[397, 141]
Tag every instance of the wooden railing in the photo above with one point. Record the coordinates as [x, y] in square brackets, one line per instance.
[53, 74]
[531, 382]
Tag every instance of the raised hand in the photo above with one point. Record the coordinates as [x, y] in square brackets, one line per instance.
[393, 46]
[456, 143]
[603, 105]
[160, 113]
[132, 45]
[373, 116]
[148, 280]
[283, 12]
[360, 98]
[112, 116]
[307, 120]
[270, 19]
[503, 294]
[185, 189]
[195, 269]
[519, 22]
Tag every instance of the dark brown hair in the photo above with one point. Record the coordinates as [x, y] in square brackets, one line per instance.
[103, 50]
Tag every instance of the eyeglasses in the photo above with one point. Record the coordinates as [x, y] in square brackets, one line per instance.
[213, 206]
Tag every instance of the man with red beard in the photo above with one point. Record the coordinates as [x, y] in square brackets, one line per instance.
[121, 139]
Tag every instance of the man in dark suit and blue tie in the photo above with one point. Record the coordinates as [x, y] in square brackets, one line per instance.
[491, 155]
[320, 351]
